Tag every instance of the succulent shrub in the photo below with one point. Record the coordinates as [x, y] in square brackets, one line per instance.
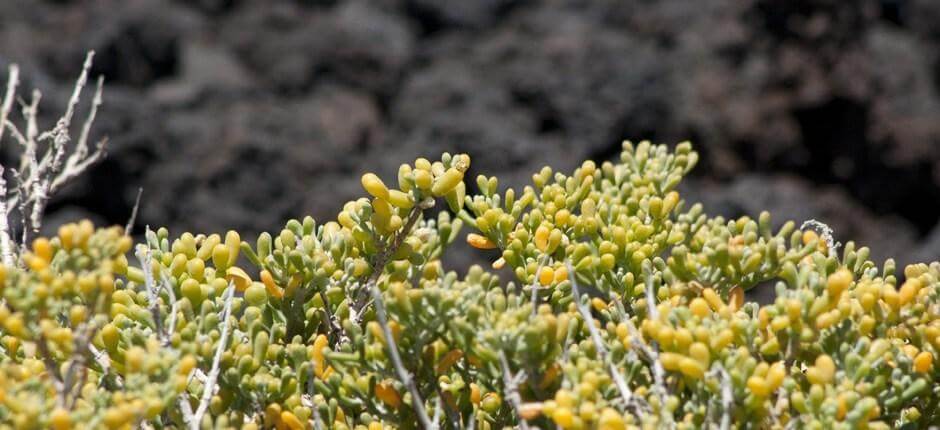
[626, 308]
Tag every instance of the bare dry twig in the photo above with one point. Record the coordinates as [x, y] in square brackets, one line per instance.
[512, 389]
[625, 394]
[6, 242]
[416, 401]
[194, 419]
[47, 161]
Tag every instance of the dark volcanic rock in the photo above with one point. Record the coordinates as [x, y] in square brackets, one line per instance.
[240, 114]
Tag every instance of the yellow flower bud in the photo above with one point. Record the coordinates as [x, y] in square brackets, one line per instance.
[134, 359]
[374, 186]
[775, 375]
[43, 249]
[238, 276]
[386, 392]
[780, 322]
[269, 284]
[825, 370]
[60, 419]
[546, 276]
[220, 256]
[475, 394]
[700, 352]
[110, 337]
[491, 402]
[448, 360]
[233, 242]
[291, 421]
[541, 237]
[480, 242]
[423, 164]
[423, 179]
[713, 299]
[691, 368]
[699, 307]
[908, 291]
[196, 268]
[890, 296]
[446, 182]
[564, 398]
[563, 418]
[923, 362]
[670, 360]
[400, 199]
[758, 386]
[736, 298]
[67, 236]
[319, 362]
[115, 418]
[839, 282]
[187, 364]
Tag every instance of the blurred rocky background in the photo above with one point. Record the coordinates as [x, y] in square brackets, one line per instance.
[244, 113]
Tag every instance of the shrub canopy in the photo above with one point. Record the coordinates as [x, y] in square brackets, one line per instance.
[627, 309]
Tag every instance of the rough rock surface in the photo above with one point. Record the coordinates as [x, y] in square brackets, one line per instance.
[241, 114]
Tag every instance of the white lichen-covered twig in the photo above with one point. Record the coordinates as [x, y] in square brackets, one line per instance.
[650, 352]
[194, 419]
[779, 407]
[101, 357]
[437, 413]
[727, 395]
[417, 403]
[47, 161]
[67, 388]
[6, 241]
[512, 389]
[153, 287]
[535, 288]
[825, 233]
[625, 394]
[659, 374]
[153, 294]
[174, 309]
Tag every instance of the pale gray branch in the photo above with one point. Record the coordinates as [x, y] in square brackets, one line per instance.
[512, 389]
[130, 222]
[416, 402]
[194, 419]
[41, 171]
[6, 240]
[625, 394]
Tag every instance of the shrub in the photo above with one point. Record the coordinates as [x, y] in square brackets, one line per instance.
[628, 310]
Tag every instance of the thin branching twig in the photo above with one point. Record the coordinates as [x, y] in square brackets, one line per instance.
[386, 251]
[194, 419]
[535, 288]
[659, 374]
[129, 227]
[6, 240]
[825, 233]
[727, 395]
[40, 174]
[416, 401]
[512, 389]
[153, 294]
[625, 394]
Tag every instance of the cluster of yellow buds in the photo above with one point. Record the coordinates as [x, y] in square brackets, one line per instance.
[63, 362]
[628, 310]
